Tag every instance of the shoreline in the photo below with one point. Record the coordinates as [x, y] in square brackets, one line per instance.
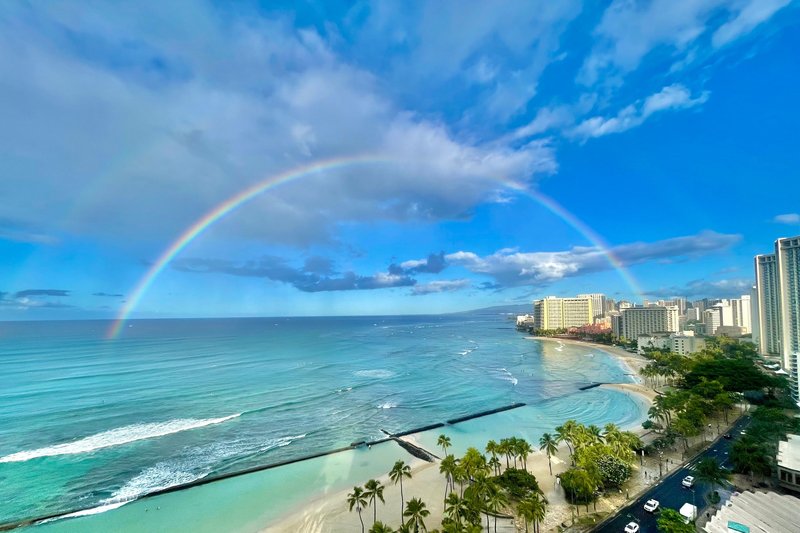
[328, 513]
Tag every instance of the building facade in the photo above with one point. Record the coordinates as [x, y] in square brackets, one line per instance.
[598, 304]
[644, 321]
[768, 310]
[557, 313]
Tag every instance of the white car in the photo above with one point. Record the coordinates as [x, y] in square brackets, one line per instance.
[688, 481]
[632, 527]
[651, 506]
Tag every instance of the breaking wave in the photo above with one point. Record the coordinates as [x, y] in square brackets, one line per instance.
[377, 373]
[116, 437]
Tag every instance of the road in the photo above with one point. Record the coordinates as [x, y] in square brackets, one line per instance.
[670, 493]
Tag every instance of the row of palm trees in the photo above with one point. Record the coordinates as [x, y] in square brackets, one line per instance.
[470, 490]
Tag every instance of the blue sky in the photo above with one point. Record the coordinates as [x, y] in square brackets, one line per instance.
[669, 128]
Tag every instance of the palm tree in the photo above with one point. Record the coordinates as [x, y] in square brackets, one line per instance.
[396, 474]
[709, 470]
[416, 512]
[494, 464]
[524, 449]
[566, 433]
[549, 446]
[594, 433]
[444, 442]
[374, 490]
[380, 527]
[448, 467]
[495, 500]
[532, 509]
[455, 508]
[359, 501]
[492, 448]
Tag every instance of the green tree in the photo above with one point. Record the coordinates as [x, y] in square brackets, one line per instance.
[396, 474]
[444, 442]
[578, 485]
[416, 514]
[710, 471]
[496, 499]
[455, 508]
[566, 433]
[549, 446]
[523, 449]
[671, 521]
[359, 501]
[533, 508]
[373, 490]
[380, 527]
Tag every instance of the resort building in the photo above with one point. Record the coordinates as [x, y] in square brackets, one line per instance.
[755, 512]
[646, 320]
[598, 304]
[788, 461]
[683, 343]
[741, 313]
[778, 288]
[767, 290]
[524, 321]
[556, 313]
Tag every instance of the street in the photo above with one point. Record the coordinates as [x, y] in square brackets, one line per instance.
[670, 493]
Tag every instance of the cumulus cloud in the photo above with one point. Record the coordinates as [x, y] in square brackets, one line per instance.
[440, 286]
[514, 268]
[164, 124]
[672, 97]
[278, 269]
[787, 218]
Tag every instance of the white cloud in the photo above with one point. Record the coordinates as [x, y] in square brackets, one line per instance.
[514, 268]
[672, 97]
[629, 31]
[787, 218]
[750, 15]
[158, 124]
[440, 286]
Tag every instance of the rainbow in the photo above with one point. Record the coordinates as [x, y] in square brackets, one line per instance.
[243, 197]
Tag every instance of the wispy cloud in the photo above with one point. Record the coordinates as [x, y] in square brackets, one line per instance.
[278, 269]
[701, 288]
[787, 218]
[41, 292]
[440, 286]
[107, 295]
[514, 268]
[672, 97]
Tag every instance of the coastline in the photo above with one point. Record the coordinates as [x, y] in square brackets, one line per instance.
[329, 514]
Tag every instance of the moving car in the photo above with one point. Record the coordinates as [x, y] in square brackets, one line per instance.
[651, 506]
[688, 481]
[632, 527]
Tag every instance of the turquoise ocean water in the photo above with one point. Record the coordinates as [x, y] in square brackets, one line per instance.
[87, 422]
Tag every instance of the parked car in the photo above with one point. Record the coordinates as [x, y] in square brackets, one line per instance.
[651, 506]
[632, 527]
[688, 481]
[727, 436]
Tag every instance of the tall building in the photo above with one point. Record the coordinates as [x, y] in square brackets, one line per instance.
[557, 313]
[712, 318]
[768, 299]
[778, 288]
[673, 318]
[598, 303]
[644, 321]
[754, 320]
[788, 253]
[741, 313]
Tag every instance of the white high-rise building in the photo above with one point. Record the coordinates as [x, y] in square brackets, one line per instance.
[557, 313]
[712, 318]
[755, 327]
[778, 288]
[768, 310]
[741, 313]
[673, 318]
[788, 254]
[598, 303]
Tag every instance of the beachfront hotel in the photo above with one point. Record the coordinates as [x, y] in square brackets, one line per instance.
[778, 303]
[557, 313]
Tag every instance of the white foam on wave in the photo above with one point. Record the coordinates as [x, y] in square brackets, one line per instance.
[508, 376]
[375, 373]
[116, 437]
[387, 405]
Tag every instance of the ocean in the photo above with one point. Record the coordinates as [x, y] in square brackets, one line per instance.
[87, 422]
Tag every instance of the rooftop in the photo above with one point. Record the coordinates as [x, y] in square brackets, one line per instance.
[789, 453]
[767, 512]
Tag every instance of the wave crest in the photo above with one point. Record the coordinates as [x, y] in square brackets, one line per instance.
[116, 437]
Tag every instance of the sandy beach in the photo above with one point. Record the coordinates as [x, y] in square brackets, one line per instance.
[329, 513]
